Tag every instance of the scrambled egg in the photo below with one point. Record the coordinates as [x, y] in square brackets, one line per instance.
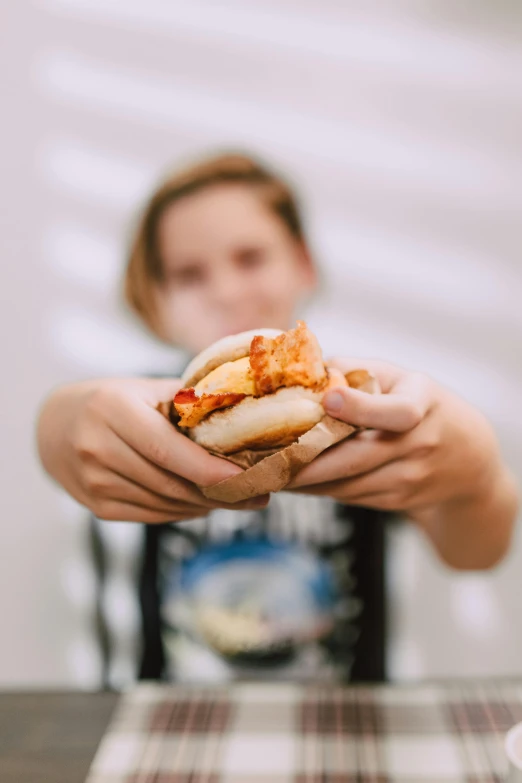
[235, 377]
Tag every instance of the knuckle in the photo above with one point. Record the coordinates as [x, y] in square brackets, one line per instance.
[84, 445]
[157, 453]
[96, 484]
[97, 400]
[101, 509]
[415, 414]
[414, 475]
[431, 441]
[102, 399]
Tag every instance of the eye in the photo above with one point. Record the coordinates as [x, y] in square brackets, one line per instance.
[187, 276]
[251, 257]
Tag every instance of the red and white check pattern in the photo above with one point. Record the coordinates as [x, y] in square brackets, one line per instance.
[309, 734]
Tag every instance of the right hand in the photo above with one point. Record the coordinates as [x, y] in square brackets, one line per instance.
[108, 446]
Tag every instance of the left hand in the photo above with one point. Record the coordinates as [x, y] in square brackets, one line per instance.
[422, 446]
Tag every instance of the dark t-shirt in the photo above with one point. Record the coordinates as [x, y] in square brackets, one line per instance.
[292, 592]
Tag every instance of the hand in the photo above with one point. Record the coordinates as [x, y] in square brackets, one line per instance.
[424, 446]
[108, 446]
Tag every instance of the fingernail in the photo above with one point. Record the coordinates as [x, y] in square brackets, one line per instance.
[230, 470]
[333, 402]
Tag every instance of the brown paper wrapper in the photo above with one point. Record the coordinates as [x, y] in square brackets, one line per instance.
[272, 470]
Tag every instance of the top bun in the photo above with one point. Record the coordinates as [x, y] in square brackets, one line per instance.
[228, 349]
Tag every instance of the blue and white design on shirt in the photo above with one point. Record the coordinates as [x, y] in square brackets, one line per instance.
[259, 594]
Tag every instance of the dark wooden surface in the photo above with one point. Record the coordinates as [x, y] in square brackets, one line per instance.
[51, 737]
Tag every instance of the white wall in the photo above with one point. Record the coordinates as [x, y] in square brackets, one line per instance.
[403, 125]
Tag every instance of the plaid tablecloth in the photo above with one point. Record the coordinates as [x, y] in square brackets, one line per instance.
[309, 734]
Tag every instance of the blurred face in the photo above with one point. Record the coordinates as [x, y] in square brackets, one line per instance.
[229, 265]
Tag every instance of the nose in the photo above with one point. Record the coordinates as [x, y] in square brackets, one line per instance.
[226, 287]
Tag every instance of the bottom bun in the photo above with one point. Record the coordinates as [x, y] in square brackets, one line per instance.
[273, 421]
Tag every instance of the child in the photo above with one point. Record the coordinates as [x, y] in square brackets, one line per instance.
[252, 590]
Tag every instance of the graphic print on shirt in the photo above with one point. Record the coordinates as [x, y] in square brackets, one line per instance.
[259, 594]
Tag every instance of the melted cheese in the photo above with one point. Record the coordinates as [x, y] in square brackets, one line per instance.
[231, 377]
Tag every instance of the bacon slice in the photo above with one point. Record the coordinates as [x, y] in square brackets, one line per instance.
[293, 358]
[192, 409]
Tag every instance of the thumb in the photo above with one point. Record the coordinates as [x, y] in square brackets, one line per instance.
[160, 390]
[391, 412]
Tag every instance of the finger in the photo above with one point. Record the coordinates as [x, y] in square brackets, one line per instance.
[366, 451]
[120, 458]
[115, 510]
[402, 479]
[108, 485]
[112, 486]
[122, 510]
[387, 374]
[399, 411]
[152, 436]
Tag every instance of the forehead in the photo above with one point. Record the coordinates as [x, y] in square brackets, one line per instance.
[218, 216]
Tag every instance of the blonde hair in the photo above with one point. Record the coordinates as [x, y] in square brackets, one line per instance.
[144, 266]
